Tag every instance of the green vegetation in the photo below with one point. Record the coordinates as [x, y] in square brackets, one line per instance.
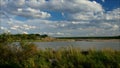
[104, 37]
[19, 37]
[26, 55]
[7, 37]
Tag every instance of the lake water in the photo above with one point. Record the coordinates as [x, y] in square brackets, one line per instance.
[81, 44]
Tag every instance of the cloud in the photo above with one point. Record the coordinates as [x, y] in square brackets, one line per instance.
[115, 27]
[25, 32]
[113, 15]
[77, 5]
[62, 28]
[82, 17]
[35, 8]
[20, 8]
[53, 33]
[32, 13]
[103, 0]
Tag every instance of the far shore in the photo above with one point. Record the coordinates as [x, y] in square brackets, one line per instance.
[73, 40]
[98, 40]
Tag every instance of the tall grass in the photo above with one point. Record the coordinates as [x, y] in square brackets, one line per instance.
[27, 55]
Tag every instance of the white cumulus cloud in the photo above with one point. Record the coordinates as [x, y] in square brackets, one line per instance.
[81, 17]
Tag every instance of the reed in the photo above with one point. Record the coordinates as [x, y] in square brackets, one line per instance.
[27, 55]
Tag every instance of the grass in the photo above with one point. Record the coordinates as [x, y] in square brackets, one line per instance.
[27, 55]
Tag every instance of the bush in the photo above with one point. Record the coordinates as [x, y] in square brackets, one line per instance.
[26, 55]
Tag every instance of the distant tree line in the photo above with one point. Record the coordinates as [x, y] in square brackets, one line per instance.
[103, 37]
[14, 37]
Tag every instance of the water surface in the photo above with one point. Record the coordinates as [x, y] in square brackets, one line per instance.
[81, 44]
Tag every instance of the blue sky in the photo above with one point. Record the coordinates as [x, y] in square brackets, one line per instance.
[109, 4]
[61, 17]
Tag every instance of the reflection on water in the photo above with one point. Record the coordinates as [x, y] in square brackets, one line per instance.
[82, 44]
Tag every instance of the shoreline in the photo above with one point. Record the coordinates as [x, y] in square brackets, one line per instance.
[75, 40]
[99, 40]
[70, 40]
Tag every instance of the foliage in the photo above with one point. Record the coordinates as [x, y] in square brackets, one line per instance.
[7, 37]
[102, 37]
[26, 55]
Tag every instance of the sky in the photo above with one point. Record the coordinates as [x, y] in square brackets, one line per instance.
[61, 18]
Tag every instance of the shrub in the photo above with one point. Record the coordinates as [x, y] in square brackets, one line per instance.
[26, 55]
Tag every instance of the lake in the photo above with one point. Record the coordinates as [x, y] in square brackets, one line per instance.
[84, 45]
